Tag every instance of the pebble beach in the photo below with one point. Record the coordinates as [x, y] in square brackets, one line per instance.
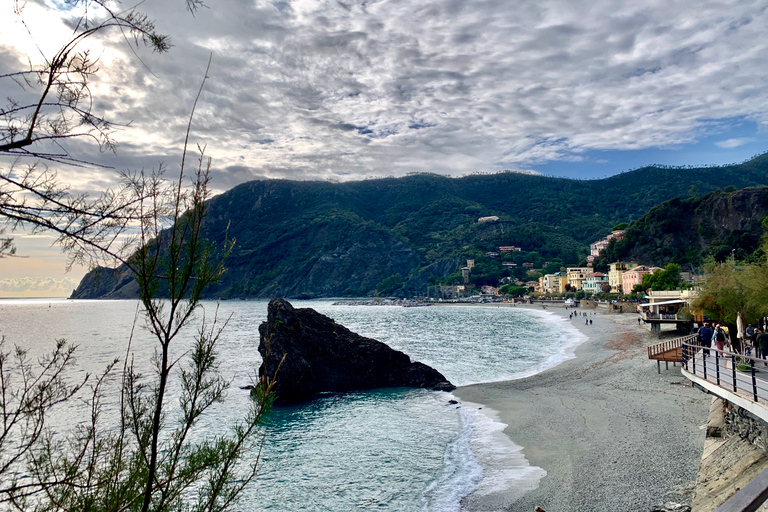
[609, 431]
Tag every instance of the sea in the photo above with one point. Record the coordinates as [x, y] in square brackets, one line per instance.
[383, 450]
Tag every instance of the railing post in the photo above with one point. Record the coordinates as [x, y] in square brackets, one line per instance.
[704, 362]
[754, 381]
[693, 358]
[717, 366]
[733, 371]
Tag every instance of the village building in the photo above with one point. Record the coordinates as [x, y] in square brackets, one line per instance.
[575, 276]
[492, 218]
[593, 283]
[616, 272]
[634, 277]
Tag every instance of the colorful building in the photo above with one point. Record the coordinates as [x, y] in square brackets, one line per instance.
[634, 277]
[575, 276]
[616, 272]
[593, 283]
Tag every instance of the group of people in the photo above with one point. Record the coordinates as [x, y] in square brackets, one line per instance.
[587, 321]
[755, 339]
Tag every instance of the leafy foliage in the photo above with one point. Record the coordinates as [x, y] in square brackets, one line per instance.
[729, 289]
[666, 279]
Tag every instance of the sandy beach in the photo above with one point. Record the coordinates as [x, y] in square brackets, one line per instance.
[610, 432]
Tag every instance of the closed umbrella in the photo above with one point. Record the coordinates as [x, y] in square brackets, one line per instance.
[740, 329]
[740, 326]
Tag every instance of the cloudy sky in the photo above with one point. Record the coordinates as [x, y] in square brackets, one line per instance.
[344, 90]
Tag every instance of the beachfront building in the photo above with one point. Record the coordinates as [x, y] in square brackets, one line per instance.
[593, 283]
[561, 282]
[549, 283]
[616, 272]
[633, 277]
[576, 275]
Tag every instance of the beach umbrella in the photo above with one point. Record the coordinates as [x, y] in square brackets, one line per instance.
[740, 326]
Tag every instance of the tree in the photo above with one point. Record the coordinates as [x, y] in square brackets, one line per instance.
[138, 460]
[605, 288]
[32, 195]
[667, 279]
[728, 289]
[513, 290]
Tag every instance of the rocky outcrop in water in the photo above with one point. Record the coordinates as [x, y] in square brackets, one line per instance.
[321, 355]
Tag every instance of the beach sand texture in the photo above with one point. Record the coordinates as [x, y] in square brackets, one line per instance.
[611, 433]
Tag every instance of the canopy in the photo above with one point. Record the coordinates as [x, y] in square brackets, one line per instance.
[665, 303]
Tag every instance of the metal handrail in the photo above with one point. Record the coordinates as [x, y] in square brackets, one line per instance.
[745, 376]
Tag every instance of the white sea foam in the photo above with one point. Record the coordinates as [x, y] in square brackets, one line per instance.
[481, 461]
[461, 474]
[507, 474]
[570, 339]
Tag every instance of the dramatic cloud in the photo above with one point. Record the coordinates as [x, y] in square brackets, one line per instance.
[303, 89]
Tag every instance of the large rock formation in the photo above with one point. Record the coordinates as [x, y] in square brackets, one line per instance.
[321, 355]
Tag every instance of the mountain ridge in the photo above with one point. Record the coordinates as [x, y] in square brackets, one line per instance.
[321, 239]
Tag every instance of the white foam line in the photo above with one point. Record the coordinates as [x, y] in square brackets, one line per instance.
[507, 474]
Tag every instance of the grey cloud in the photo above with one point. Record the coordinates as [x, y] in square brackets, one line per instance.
[317, 90]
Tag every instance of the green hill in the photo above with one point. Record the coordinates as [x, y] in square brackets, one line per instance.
[303, 238]
[688, 231]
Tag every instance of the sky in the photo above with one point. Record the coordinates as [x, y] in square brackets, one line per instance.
[348, 90]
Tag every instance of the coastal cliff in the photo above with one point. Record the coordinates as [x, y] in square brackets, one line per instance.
[309, 353]
[687, 231]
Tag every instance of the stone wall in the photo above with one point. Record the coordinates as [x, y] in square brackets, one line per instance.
[739, 423]
[734, 453]
[622, 307]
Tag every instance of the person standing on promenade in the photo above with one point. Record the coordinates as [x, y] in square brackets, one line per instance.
[705, 335]
[761, 340]
[719, 338]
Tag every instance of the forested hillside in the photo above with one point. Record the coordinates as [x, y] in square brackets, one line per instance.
[717, 225]
[301, 238]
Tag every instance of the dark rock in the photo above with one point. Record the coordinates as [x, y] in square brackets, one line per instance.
[452, 402]
[321, 355]
[672, 507]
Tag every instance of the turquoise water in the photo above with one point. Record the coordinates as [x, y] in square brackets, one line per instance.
[395, 449]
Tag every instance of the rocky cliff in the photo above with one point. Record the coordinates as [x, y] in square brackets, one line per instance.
[315, 354]
[687, 231]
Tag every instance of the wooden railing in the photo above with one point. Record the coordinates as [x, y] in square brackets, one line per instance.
[666, 346]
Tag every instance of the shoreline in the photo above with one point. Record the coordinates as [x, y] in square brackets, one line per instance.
[610, 433]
